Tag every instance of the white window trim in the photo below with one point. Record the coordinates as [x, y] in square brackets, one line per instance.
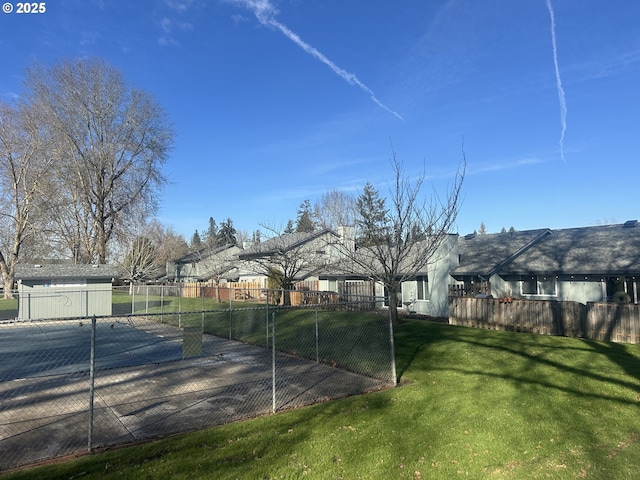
[537, 279]
[427, 297]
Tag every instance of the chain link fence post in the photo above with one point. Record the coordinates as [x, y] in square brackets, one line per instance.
[161, 303]
[230, 310]
[267, 319]
[180, 306]
[273, 362]
[317, 337]
[392, 349]
[92, 365]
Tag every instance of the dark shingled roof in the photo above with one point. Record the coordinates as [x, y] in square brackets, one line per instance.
[282, 243]
[203, 253]
[481, 254]
[48, 271]
[599, 250]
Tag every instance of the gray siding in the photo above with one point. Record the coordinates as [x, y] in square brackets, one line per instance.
[437, 303]
[63, 299]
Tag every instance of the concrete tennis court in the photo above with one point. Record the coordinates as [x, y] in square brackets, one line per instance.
[143, 387]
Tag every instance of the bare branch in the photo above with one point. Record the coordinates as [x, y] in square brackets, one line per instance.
[398, 237]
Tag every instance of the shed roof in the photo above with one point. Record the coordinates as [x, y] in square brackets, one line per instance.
[48, 271]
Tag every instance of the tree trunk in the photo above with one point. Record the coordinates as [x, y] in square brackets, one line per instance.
[8, 277]
[8, 285]
[392, 299]
[286, 298]
[102, 243]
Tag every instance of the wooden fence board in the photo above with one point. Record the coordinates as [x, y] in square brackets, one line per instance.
[611, 322]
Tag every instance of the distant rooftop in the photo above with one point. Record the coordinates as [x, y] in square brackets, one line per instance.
[26, 271]
[599, 250]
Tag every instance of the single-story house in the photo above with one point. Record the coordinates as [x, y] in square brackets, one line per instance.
[587, 264]
[209, 263]
[64, 290]
[425, 293]
[299, 256]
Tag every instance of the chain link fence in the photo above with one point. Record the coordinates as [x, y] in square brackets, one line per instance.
[77, 385]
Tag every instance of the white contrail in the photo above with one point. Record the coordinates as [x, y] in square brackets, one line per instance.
[563, 102]
[265, 12]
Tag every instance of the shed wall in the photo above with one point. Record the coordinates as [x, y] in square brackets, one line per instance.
[69, 298]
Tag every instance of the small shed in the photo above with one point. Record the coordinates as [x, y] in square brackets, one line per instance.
[64, 290]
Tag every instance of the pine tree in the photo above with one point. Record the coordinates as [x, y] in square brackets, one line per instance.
[196, 242]
[289, 228]
[305, 221]
[371, 217]
[227, 233]
[211, 235]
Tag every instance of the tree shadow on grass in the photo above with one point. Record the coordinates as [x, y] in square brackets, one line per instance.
[414, 338]
[543, 351]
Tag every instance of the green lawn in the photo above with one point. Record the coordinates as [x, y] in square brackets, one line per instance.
[473, 404]
[122, 305]
[8, 309]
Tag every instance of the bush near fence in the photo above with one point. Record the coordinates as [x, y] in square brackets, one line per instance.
[613, 322]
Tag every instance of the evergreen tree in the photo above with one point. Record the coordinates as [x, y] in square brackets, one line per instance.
[196, 242]
[393, 250]
[371, 216]
[289, 228]
[305, 221]
[211, 235]
[227, 233]
[483, 229]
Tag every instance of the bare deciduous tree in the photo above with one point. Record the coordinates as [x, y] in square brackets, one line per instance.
[218, 262]
[285, 258]
[23, 167]
[403, 232]
[169, 245]
[109, 142]
[335, 209]
[139, 261]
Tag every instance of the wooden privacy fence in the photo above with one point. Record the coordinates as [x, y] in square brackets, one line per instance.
[305, 293]
[470, 290]
[613, 322]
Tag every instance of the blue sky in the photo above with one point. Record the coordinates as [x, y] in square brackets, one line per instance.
[278, 101]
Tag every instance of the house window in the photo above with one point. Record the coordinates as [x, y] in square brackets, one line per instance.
[538, 285]
[422, 287]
